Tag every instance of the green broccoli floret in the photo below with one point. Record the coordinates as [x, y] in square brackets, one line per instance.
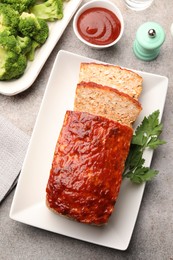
[9, 42]
[31, 53]
[28, 24]
[50, 10]
[12, 65]
[24, 43]
[19, 5]
[12, 61]
[42, 35]
[9, 18]
[36, 28]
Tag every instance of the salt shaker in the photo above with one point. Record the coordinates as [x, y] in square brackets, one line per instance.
[149, 38]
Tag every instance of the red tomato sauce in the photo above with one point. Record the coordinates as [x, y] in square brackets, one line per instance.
[99, 26]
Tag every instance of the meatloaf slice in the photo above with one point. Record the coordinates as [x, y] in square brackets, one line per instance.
[87, 167]
[107, 102]
[123, 80]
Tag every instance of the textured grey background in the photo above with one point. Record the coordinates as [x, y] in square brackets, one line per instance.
[152, 238]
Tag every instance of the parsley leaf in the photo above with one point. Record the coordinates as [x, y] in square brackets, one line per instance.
[146, 136]
[141, 174]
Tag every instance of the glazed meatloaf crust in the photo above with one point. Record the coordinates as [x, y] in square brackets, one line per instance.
[87, 167]
[123, 80]
[107, 102]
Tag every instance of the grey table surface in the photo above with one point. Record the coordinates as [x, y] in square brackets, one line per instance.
[153, 234]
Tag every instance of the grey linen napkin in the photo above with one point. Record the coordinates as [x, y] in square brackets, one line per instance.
[13, 145]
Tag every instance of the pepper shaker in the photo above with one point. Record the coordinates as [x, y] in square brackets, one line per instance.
[149, 38]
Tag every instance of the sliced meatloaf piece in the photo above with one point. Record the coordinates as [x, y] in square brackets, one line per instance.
[87, 167]
[123, 80]
[107, 102]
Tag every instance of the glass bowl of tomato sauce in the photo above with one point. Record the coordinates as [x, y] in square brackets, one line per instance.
[99, 24]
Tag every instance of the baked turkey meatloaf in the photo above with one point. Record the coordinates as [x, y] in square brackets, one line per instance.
[107, 102]
[87, 167]
[124, 80]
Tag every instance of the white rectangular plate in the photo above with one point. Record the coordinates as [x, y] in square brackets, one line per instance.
[29, 200]
[56, 29]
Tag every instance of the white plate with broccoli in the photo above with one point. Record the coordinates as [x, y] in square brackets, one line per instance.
[28, 34]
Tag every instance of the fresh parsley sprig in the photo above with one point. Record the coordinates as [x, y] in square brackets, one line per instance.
[146, 136]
